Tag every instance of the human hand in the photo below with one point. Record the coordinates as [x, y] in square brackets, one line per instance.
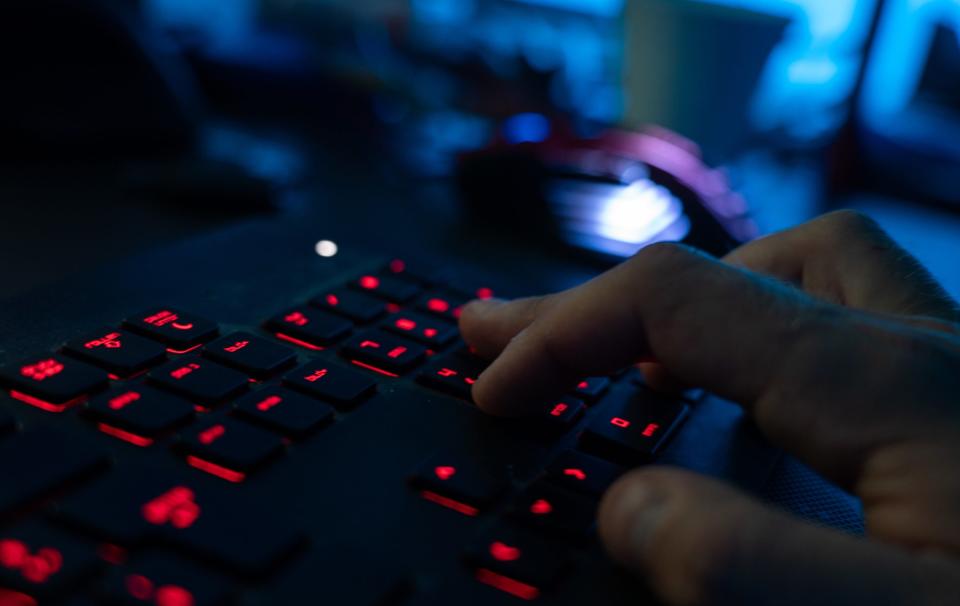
[842, 349]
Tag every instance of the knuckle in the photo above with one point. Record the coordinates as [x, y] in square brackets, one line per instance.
[848, 223]
[662, 256]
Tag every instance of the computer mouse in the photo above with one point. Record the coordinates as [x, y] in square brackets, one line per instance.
[609, 194]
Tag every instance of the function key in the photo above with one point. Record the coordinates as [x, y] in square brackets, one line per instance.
[342, 386]
[583, 473]
[384, 352]
[284, 411]
[44, 562]
[117, 351]
[178, 330]
[592, 388]
[555, 511]
[229, 449]
[517, 562]
[164, 581]
[631, 429]
[416, 271]
[388, 288]
[139, 414]
[353, 305]
[309, 327]
[199, 380]
[458, 483]
[444, 304]
[424, 329]
[454, 374]
[52, 382]
[254, 356]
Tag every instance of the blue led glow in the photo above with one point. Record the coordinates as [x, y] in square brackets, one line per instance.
[526, 128]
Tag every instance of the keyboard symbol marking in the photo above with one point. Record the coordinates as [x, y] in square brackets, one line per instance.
[503, 552]
[184, 370]
[444, 472]
[176, 507]
[620, 422]
[35, 568]
[123, 400]
[575, 473]
[43, 369]
[236, 346]
[316, 375]
[650, 429]
[110, 341]
[211, 434]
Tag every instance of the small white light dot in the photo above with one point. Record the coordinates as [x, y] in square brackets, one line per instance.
[326, 248]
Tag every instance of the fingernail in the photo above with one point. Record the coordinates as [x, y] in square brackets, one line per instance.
[482, 306]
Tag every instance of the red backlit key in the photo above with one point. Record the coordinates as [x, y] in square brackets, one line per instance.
[309, 327]
[117, 351]
[232, 445]
[562, 414]
[344, 387]
[583, 473]
[139, 414]
[178, 330]
[384, 352]
[52, 382]
[43, 562]
[386, 287]
[353, 305]
[158, 580]
[454, 374]
[256, 357]
[555, 511]
[632, 428]
[442, 304]
[458, 483]
[424, 329]
[517, 561]
[592, 388]
[40, 461]
[199, 380]
[284, 411]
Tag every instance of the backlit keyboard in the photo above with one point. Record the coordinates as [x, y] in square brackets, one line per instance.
[174, 459]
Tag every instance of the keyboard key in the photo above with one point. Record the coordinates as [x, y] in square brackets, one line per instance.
[164, 581]
[423, 329]
[555, 511]
[256, 357]
[454, 374]
[233, 445]
[583, 473]
[117, 351]
[384, 351]
[442, 304]
[630, 429]
[562, 414]
[199, 380]
[342, 386]
[140, 413]
[52, 382]
[136, 506]
[519, 556]
[388, 288]
[592, 388]
[284, 411]
[178, 330]
[37, 462]
[353, 305]
[43, 562]
[309, 327]
[458, 483]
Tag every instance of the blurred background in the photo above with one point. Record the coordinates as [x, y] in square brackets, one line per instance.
[127, 124]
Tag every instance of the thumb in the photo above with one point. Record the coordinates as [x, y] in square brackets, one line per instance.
[698, 541]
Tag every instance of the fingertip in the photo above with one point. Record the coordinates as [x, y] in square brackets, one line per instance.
[474, 323]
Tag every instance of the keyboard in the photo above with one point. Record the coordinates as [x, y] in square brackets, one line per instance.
[304, 434]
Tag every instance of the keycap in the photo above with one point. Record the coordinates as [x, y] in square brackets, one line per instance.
[632, 428]
[555, 511]
[52, 382]
[443, 304]
[255, 357]
[387, 288]
[424, 329]
[143, 506]
[592, 388]
[198, 380]
[138, 413]
[342, 386]
[40, 461]
[454, 374]
[353, 305]
[43, 562]
[583, 473]
[236, 447]
[163, 580]
[309, 327]
[469, 289]
[284, 411]
[384, 352]
[519, 556]
[418, 272]
[458, 483]
[562, 414]
[117, 351]
[178, 330]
